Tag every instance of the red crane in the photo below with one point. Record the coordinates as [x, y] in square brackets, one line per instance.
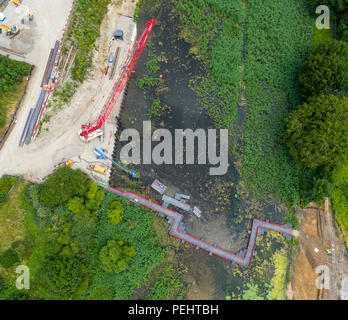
[121, 81]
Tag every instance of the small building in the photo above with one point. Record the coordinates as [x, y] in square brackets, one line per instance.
[158, 186]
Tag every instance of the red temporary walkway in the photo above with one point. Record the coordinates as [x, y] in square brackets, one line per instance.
[176, 218]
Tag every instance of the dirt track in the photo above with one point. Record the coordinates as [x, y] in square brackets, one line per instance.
[315, 233]
[61, 142]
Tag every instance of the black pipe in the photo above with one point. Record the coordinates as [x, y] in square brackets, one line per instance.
[54, 55]
[35, 116]
[25, 130]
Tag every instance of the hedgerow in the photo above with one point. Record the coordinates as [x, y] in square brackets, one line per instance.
[11, 76]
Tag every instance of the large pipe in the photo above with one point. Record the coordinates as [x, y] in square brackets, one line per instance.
[54, 55]
[35, 115]
[43, 82]
[25, 130]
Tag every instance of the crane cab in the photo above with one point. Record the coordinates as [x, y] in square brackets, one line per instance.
[17, 2]
[91, 136]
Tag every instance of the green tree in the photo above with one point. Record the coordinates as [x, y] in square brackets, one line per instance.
[64, 184]
[115, 213]
[317, 132]
[116, 255]
[325, 69]
[59, 277]
[322, 188]
[76, 205]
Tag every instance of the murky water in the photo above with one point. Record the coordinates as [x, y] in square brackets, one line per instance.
[213, 195]
[226, 218]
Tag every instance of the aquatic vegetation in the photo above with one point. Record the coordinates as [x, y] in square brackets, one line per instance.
[167, 287]
[214, 29]
[157, 109]
[280, 260]
[278, 40]
[267, 279]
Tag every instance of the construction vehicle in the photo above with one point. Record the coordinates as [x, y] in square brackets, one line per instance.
[17, 2]
[101, 155]
[69, 163]
[99, 169]
[120, 83]
[28, 19]
[118, 34]
[93, 135]
[12, 32]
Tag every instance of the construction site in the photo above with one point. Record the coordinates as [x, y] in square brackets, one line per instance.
[51, 69]
[47, 133]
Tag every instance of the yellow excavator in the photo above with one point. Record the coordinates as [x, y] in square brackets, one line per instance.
[12, 32]
[17, 2]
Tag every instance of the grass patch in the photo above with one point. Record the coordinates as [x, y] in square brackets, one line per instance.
[12, 86]
[12, 218]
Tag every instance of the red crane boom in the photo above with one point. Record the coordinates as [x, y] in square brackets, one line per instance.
[121, 81]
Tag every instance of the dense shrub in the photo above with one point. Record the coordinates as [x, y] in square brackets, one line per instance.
[9, 258]
[115, 256]
[63, 185]
[6, 183]
[11, 76]
[115, 213]
[75, 240]
[317, 132]
[325, 69]
[60, 278]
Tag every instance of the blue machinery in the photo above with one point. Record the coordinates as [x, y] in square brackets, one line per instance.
[101, 155]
